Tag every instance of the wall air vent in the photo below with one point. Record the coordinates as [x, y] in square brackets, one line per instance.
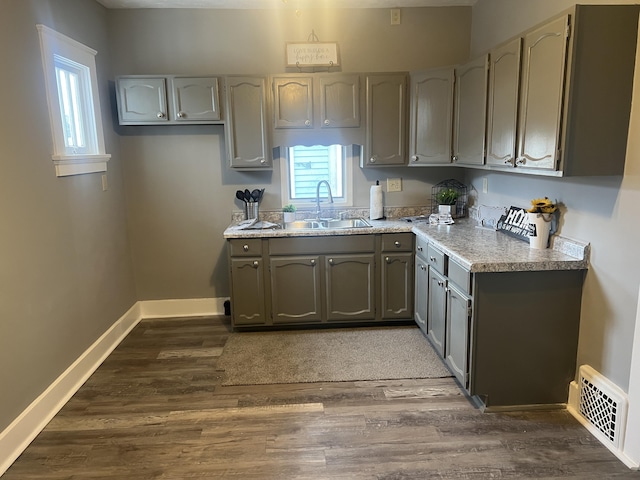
[603, 405]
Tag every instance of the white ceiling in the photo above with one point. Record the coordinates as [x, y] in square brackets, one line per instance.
[257, 4]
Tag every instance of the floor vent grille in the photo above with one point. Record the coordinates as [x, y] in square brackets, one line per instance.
[603, 405]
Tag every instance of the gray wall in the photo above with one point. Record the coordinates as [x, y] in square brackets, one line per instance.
[602, 211]
[180, 193]
[66, 272]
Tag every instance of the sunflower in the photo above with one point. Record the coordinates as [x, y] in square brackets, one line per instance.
[542, 205]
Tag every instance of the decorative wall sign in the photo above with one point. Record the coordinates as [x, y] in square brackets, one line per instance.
[515, 223]
[312, 54]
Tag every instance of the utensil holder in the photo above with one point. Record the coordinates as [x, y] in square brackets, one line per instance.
[251, 210]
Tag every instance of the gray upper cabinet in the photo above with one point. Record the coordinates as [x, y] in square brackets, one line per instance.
[576, 91]
[247, 131]
[386, 124]
[142, 100]
[339, 101]
[502, 115]
[431, 117]
[195, 99]
[149, 100]
[293, 102]
[470, 112]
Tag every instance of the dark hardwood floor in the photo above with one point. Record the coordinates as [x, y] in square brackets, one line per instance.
[156, 410]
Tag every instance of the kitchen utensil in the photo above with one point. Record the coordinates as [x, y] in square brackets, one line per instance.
[240, 195]
[247, 195]
[255, 195]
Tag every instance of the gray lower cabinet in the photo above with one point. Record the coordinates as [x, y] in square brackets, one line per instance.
[436, 319]
[458, 325]
[397, 275]
[350, 287]
[421, 282]
[248, 277]
[247, 130]
[296, 289]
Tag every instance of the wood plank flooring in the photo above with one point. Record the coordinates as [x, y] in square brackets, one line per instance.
[156, 410]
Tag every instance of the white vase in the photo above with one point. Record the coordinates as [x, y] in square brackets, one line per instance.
[445, 209]
[539, 227]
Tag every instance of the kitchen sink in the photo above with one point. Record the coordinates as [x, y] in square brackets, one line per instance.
[327, 224]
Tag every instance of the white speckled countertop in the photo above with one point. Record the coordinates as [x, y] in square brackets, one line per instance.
[477, 249]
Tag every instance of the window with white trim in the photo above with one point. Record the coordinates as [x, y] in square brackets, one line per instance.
[74, 106]
[302, 167]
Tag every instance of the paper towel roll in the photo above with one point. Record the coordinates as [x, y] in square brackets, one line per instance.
[376, 209]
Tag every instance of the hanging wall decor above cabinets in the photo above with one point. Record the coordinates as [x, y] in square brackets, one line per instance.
[154, 99]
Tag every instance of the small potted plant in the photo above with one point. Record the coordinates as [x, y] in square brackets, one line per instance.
[446, 198]
[289, 213]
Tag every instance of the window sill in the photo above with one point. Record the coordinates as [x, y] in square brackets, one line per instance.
[67, 165]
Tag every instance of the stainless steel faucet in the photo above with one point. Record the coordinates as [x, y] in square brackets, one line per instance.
[318, 196]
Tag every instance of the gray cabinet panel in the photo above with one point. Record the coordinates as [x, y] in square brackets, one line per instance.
[436, 319]
[543, 81]
[350, 287]
[247, 287]
[431, 117]
[195, 99]
[296, 289]
[397, 285]
[293, 102]
[457, 334]
[247, 129]
[470, 112]
[504, 82]
[421, 295]
[339, 101]
[386, 126]
[142, 100]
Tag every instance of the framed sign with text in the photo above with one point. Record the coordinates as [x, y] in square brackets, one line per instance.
[312, 54]
[515, 223]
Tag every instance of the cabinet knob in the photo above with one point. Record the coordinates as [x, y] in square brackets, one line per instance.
[433, 259]
[256, 264]
[397, 244]
[307, 123]
[454, 158]
[440, 283]
[331, 261]
[414, 158]
[422, 267]
[313, 262]
[263, 161]
[387, 259]
[521, 161]
[373, 159]
[245, 248]
[327, 122]
[181, 115]
[419, 248]
[160, 115]
[509, 161]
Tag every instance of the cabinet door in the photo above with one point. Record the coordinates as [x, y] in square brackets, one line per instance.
[293, 102]
[247, 287]
[246, 128]
[436, 318]
[350, 287]
[386, 120]
[543, 80]
[457, 335]
[295, 289]
[504, 82]
[470, 112]
[340, 101]
[142, 100]
[397, 285]
[195, 99]
[431, 117]
[421, 296]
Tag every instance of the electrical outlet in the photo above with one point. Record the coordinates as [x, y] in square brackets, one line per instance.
[395, 16]
[394, 184]
[485, 185]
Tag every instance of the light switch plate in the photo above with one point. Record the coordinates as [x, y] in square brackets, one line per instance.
[395, 16]
[394, 184]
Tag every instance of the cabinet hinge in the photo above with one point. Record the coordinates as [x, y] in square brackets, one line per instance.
[469, 311]
[558, 157]
[567, 31]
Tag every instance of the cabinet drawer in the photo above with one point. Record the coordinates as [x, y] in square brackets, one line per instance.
[437, 259]
[248, 247]
[322, 245]
[421, 246]
[460, 276]
[397, 242]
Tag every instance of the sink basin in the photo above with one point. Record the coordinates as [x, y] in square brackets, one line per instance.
[327, 224]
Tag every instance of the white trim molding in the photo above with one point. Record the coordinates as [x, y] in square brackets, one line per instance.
[20, 433]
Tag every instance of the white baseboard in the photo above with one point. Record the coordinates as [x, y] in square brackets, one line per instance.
[189, 307]
[20, 433]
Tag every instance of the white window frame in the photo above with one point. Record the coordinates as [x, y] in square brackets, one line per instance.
[60, 50]
[349, 156]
